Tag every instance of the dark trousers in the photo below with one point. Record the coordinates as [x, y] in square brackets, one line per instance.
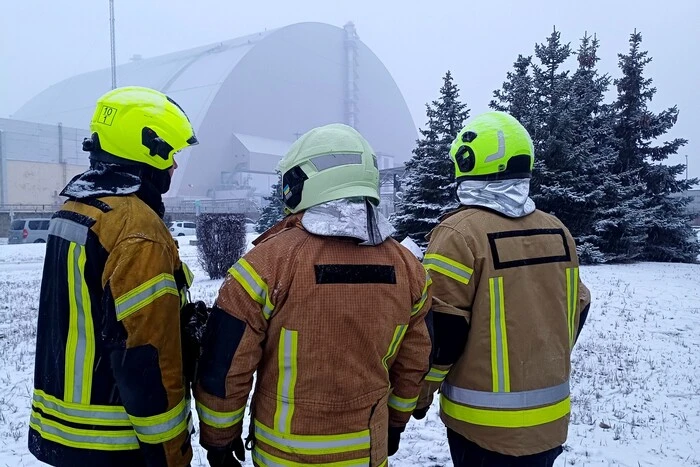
[467, 454]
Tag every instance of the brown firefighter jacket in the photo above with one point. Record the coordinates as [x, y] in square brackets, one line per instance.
[337, 333]
[108, 386]
[512, 286]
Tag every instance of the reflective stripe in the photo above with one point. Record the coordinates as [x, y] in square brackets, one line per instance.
[436, 375]
[251, 281]
[328, 161]
[264, 459]
[219, 419]
[507, 400]
[102, 440]
[571, 301]
[144, 294]
[80, 343]
[418, 306]
[189, 276]
[500, 368]
[79, 413]
[69, 230]
[162, 427]
[501, 152]
[287, 362]
[448, 267]
[401, 404]
[506, 418]
[312, 444]
[399, 332]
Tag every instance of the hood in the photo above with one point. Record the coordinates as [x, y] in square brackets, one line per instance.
[508, 197]
[352, 218]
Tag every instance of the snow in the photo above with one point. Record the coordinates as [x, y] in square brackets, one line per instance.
[636, 391]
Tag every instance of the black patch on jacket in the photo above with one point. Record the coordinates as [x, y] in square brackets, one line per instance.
[355, 274]
[451, 333]
[140, 382]
[498, 264]
[221, 339]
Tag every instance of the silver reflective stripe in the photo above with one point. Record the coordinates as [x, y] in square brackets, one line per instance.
[84, 314]
[221, 420]
[507, 400]
[287, 389]
[261, 292]
[361, 442]
[161, 428]
[164, 283]
[501, 148]
[262, 458]
[328, 161]
[125, 442]
[499, 335]
[68, 230]
[87, 413]
[442, 264]
[402, 404]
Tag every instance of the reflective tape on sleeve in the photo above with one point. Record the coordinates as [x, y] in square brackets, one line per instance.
[401, 404]
[162, 427]
[448, 267]
[218, 419]
[253, 284]
[145, 294]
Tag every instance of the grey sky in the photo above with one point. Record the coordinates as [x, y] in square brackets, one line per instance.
[44, 41]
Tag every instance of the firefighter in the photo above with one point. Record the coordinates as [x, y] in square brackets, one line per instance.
[330, 311]
[508, 306]
[108, 384]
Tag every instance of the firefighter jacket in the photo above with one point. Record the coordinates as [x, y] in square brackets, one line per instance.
[338, 334]
[507, 306]
[108, 384]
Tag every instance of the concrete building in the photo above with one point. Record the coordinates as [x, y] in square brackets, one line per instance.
[248, 99]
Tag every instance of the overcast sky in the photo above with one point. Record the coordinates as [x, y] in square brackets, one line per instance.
[44, 41]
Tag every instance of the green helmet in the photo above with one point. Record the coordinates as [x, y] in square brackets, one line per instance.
[328, 163]
[492, 146]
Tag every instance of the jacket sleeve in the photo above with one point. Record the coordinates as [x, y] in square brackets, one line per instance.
[146, 359]
[413, 357]
[231, 352]
[452, 268]
[584, 304]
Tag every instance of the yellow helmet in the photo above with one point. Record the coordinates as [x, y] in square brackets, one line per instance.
[492, 146]
[138, 125]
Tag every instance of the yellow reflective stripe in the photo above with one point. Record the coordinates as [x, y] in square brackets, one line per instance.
[78, 413]
[286, 381]
[253, 284]
[436, 375]
[88, 333]
[571, 302]
[424, 296]
[162, 427]
[217, 419]
[399, 332]
[102, 440]
[448, 267]
[72, 340]
[264, 459]
[189, 276]
[401, 404]
[312, 444]
[144, 294]
[506, 418]
[500, 368]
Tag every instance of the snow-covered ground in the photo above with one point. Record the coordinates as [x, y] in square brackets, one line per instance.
[636, 384]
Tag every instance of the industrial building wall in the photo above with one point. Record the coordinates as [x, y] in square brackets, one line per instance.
[37, 160]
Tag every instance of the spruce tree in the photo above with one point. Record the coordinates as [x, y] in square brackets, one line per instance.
[429, 186]
[668, 236]
[516, 97]
[273, 211]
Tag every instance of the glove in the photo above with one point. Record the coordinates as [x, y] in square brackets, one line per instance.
[223, 457]
[193, 321]
[419, 414]
[394, 439]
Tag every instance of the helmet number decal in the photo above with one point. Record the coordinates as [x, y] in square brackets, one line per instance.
[107, 114]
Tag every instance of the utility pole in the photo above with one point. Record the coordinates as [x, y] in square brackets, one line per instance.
[111, 43]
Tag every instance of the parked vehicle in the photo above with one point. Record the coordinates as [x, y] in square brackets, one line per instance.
[28, 231]
[182, 228]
